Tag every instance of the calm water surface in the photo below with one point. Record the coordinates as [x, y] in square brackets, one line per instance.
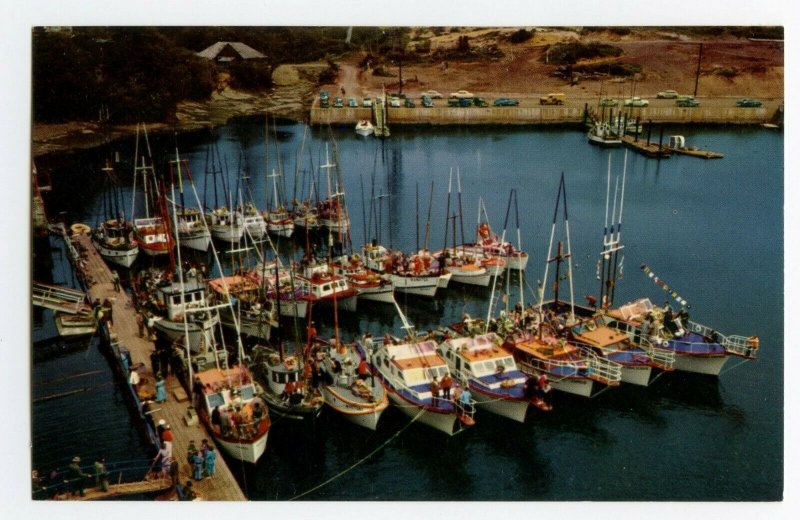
[711, 229]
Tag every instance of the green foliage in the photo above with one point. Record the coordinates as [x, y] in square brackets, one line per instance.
[570, 53]
[522, 35]
[462, 45]
[248, 75]
[612, 69]
[330, 74]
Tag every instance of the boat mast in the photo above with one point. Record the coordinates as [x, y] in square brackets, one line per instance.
[560, 256]
[612, 244]
[502, 239]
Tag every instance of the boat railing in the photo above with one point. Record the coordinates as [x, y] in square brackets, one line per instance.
[663, 358]
[603, 370]
[741, 345]
[535, 366]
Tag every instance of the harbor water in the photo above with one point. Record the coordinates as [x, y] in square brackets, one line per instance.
[711, 229]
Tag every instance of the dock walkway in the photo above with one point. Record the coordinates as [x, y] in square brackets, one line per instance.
[174, 411]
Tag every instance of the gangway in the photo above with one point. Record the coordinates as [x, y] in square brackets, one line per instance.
[379, 113]
[57, 298]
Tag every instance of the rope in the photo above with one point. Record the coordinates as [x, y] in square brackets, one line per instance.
[734, 366]
[358, 463]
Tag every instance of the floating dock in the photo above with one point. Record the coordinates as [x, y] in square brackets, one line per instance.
[645, 147]
[175, 411]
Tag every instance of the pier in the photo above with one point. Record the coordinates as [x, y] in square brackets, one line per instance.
[123, 331]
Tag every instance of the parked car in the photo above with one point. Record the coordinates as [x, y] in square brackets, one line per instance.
[748, 102]
[409, 103]
[687, 101]
[366, 102]
[394, 102]
[608, 102]
[462, 94]
[427, 102]
[552, 99]
[433, 94]
[338, 102]
[636, 102]
[352, 103]
[667, 94]
[323, 99]
[506, 102]
[459, 102]
[479, 102]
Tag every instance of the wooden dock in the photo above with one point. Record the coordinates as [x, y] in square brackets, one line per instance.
[174, 411]
[645, 147]
[123, 489]
[695, 152]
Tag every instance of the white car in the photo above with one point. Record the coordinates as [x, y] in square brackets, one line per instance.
[394, 102]
[433, 94]
[667, 94]
[636, 102]
[462, 94]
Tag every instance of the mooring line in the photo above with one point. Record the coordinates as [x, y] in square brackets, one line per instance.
[370, 454]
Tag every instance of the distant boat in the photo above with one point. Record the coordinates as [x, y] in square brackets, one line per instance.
[284, 385]
[151, 231]
[603, 134]
[113, 237]
[365, 128]
[71, 326]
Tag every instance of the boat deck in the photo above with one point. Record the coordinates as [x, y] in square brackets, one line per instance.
[174, 411]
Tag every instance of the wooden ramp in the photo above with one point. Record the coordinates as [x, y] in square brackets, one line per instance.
[125, 488]
[646, 148]
[63, 299]
[174, 411]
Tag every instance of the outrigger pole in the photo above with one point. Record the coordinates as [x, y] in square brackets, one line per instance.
[612, 244]
[562, 194]
[502, 239]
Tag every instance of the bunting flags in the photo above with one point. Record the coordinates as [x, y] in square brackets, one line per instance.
[658, 281]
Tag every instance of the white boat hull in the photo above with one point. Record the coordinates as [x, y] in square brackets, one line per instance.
[581, 387]
[281, 230]
[200, 335]
[365, 416]
[512, 409]
[444, 422]
[197, 240]
[637, 375]
[383, 294]
[71, 327]
[344, 304]
[244, 451]
[294, 309]
[257, 328]
[228, 233]
[420, 286]
[700, 365]
[124, 258]
[444, 280]
[480, 278]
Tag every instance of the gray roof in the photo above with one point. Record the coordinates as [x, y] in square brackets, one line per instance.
[245, 51]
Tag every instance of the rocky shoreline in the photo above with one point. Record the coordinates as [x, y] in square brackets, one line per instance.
[293, 91]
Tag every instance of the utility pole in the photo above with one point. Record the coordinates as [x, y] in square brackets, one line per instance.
[697, 74]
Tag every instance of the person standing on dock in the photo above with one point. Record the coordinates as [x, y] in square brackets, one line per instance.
[115, 280]
[101, 474]
[77, 477]
[140, 324]
[211, 461]
[161, 392]
[155, 362]
[197, 461]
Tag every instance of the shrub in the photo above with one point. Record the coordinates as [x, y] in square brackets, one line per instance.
[520, 36]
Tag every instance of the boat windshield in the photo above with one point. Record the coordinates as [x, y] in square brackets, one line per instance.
[490, 366]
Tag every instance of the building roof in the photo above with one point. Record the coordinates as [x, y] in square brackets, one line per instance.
[244, 51]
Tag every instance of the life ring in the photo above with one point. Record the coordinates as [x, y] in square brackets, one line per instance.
[80, 229]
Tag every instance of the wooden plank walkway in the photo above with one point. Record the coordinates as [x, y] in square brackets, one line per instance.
[223, 485]
[125, 488]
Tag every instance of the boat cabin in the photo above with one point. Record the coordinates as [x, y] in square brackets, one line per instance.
[222, 387]
[479, 356]
[177, 301]
[411, 366]
[152, 230]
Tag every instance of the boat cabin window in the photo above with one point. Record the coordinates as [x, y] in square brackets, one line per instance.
[247, 392]
[279, 377]
[340, 284]
[326, 287]
[215, 400]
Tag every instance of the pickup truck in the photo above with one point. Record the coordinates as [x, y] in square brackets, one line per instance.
[552, 99]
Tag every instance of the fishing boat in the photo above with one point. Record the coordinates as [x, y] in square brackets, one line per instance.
[284, 384]
[602, 134]
[322, 286]
[492, 375]
[152, 231]
[175, 296]
[407, 370]
[332, 211]
[361, 397]
[489, 245]
[416, 274]
[233, 392]
[305, 216]
[697, 348]
[247, 313]
[637, 361]
[280, 283]
[279, 221]
[465, 268]
[190, 226]
[113, 238]
[254, 223]
[369, 285]
[226, 225]
[364, 128]
[73, 326]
